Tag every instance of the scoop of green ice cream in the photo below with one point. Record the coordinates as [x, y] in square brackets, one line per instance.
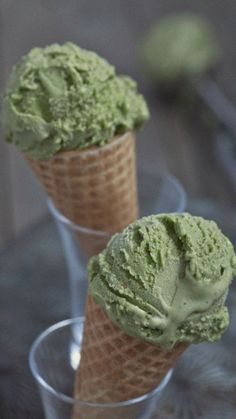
[180, 46]
[165, 279]
[63, 98]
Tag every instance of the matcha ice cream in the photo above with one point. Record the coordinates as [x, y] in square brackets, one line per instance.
[180, 46]
[165, 279]
[65, 98]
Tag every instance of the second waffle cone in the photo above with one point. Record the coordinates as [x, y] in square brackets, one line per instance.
[93, 188]
[115, 366]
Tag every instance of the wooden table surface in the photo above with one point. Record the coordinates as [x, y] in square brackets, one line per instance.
[173, 140]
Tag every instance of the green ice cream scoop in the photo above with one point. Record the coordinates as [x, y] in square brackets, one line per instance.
[180, 46]
[64, 98]
[165, 279]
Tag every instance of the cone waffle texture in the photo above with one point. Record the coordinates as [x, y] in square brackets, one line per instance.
[93, 188]
[115, 366]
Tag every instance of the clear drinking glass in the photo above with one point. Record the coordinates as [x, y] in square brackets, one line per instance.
[54, 368]
[157, 193]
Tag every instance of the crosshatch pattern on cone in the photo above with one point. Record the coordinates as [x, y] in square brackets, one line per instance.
[115, 366]
[95, 188]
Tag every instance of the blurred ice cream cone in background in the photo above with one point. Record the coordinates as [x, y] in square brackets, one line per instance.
[181, 54]
[179, 49]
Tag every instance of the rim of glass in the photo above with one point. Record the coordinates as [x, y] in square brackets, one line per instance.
[63, 397]
[162, 175]
[181, 191]
[60, 217]
[173, 179]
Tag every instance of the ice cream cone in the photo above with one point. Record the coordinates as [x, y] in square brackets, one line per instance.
[115, 366]
[94, 188]
[162, 287]
[72, 115]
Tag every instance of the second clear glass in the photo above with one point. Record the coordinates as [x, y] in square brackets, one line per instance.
[157, 193]
[54, 368]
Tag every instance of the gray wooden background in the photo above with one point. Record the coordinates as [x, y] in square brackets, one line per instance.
[113, 28]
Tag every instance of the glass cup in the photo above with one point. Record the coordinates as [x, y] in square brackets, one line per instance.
[157, 193]
[54, 367]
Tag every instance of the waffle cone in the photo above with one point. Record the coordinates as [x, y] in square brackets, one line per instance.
[115, 366]
[93, 188]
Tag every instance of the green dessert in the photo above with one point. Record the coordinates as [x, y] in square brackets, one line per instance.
[165, 279]
[179, 47]
[65, 98]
